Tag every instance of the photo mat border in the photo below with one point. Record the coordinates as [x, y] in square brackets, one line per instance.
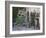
[7, 18]
[26, 31]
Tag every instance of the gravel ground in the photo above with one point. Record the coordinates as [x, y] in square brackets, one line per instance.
[19, 28]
